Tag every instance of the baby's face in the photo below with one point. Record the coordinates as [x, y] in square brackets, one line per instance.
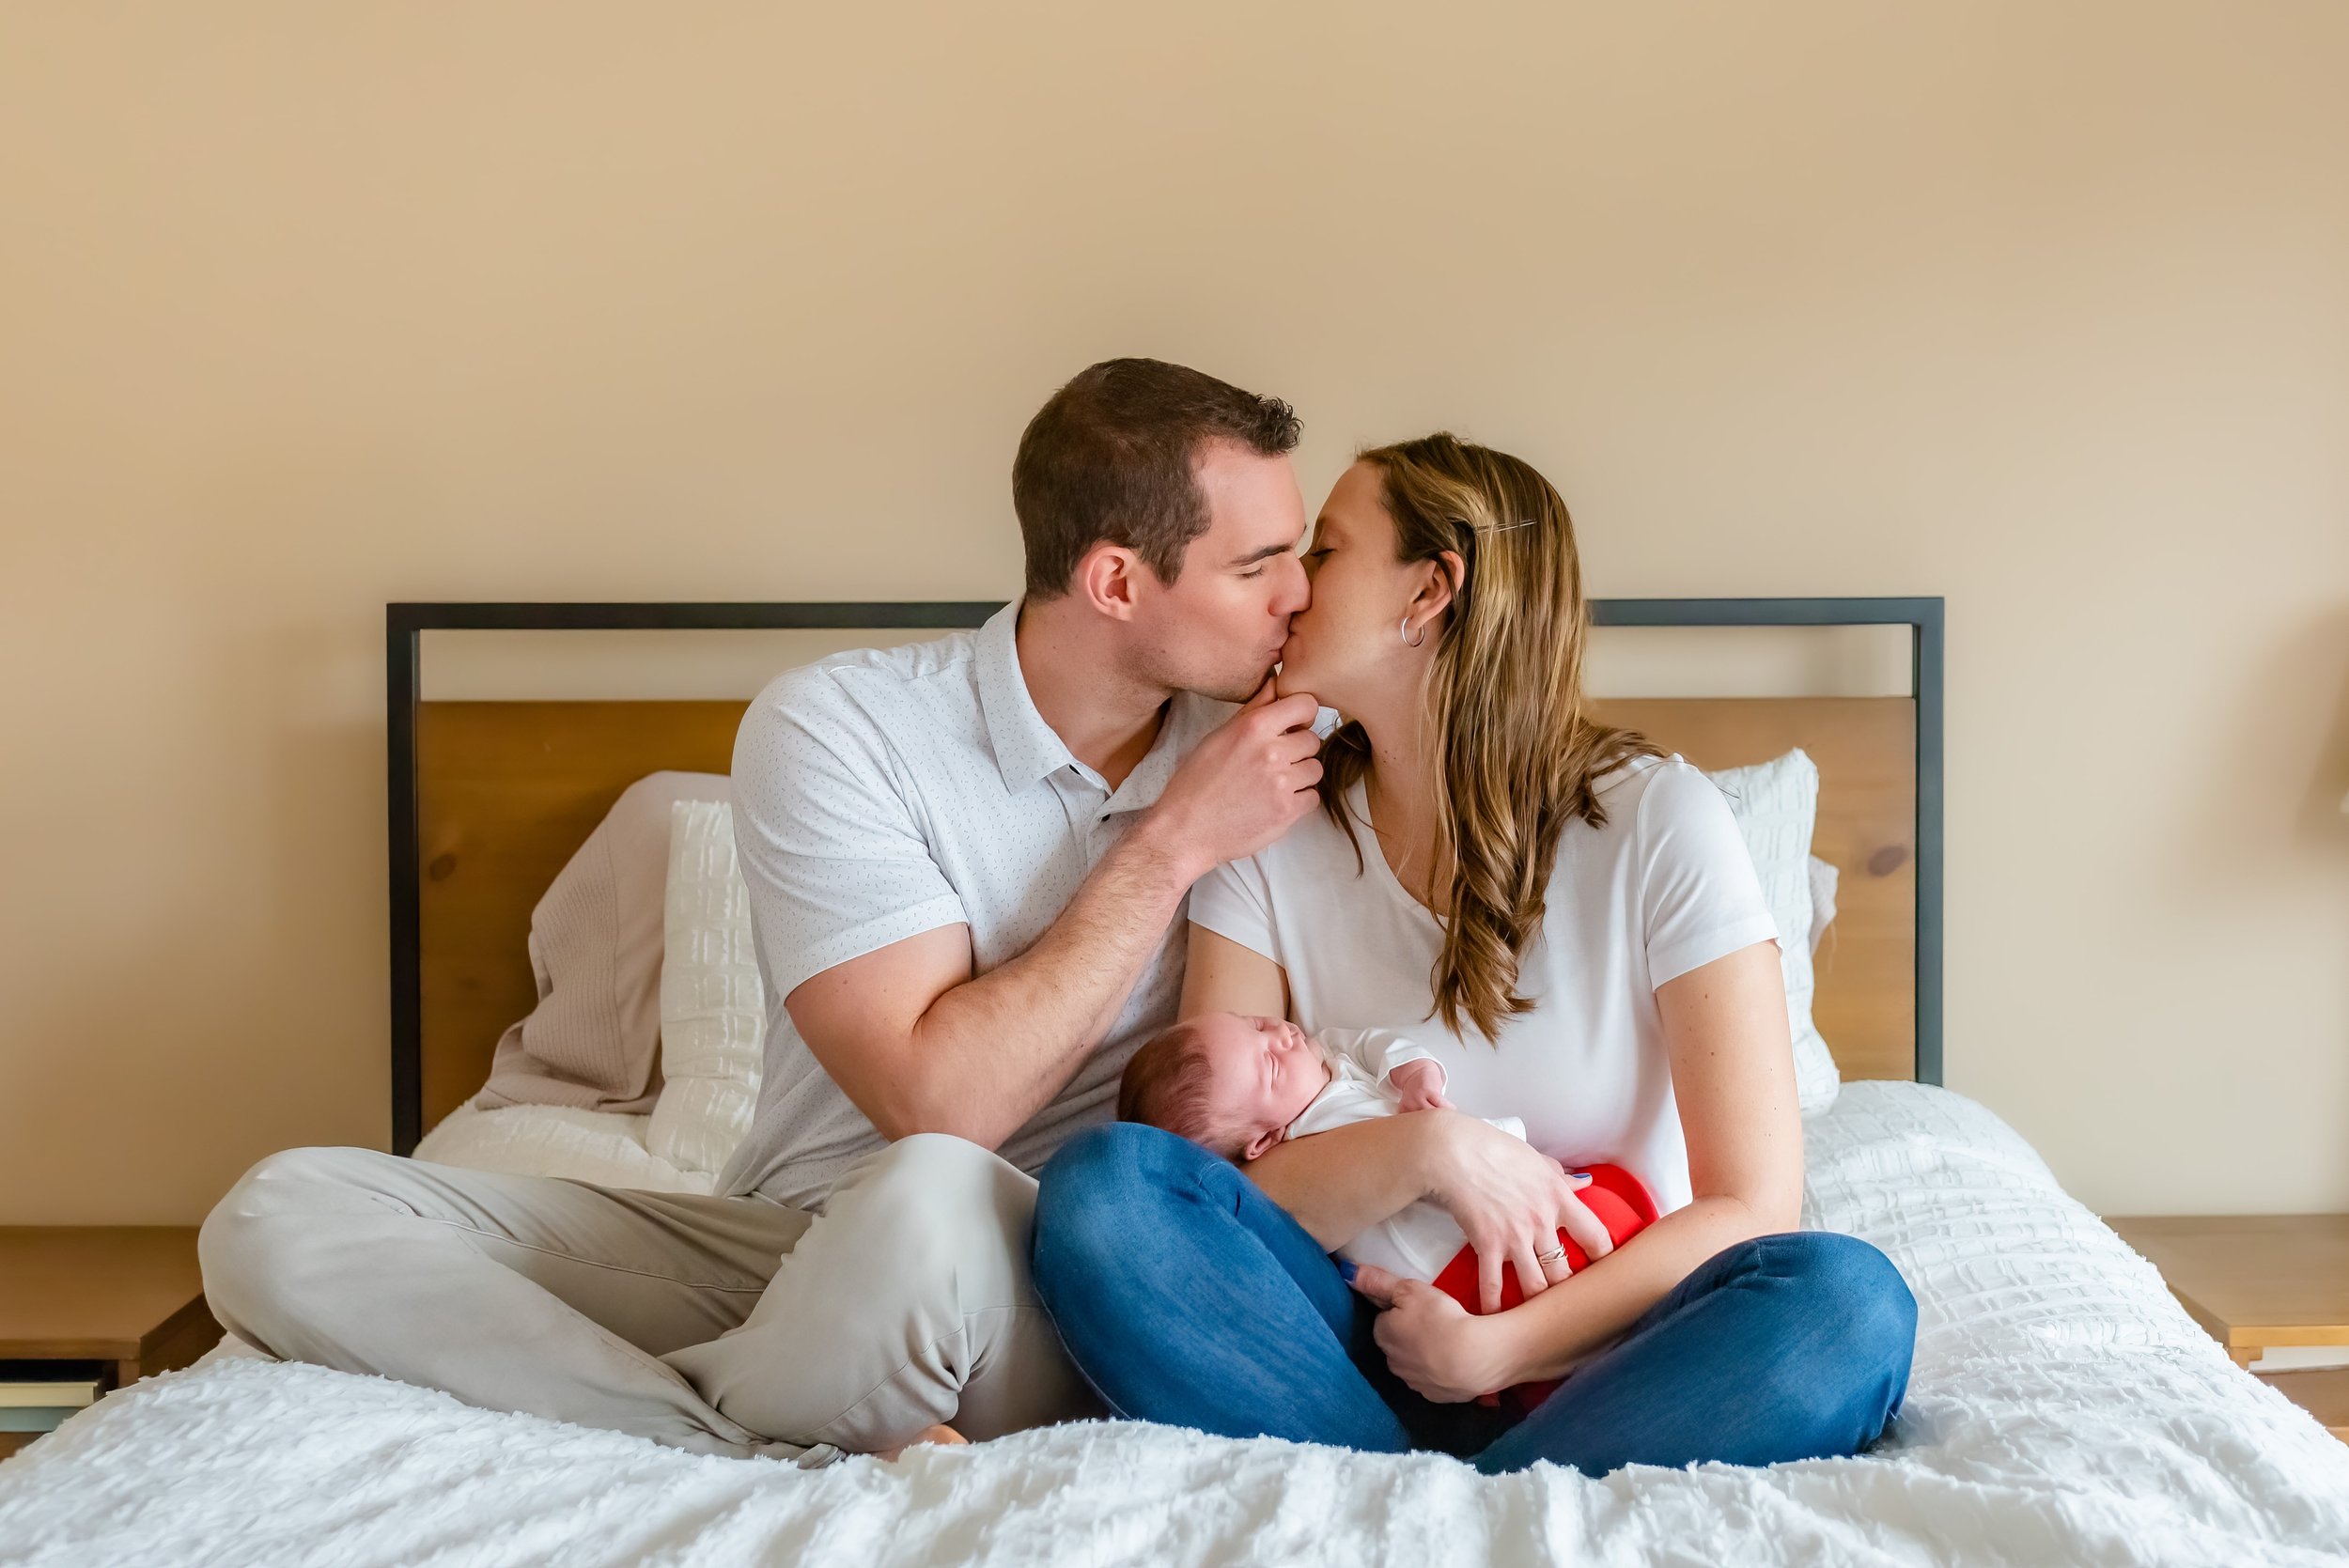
[1264, 1071]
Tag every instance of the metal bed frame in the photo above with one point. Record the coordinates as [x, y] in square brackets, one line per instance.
[405, 626]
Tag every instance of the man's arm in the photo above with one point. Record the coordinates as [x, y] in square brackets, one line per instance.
[922, 1045]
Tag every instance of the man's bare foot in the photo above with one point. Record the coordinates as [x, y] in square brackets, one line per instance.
[927, 1434]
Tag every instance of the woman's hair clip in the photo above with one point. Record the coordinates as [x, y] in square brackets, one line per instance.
[1506, 527]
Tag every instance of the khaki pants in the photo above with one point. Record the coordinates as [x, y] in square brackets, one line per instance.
[727, 1326]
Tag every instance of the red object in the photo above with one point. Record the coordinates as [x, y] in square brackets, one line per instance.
[1622, 1205]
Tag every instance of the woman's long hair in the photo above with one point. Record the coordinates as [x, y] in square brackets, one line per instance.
[1515, 752]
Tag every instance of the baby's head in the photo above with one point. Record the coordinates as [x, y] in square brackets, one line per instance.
[1228, 1083]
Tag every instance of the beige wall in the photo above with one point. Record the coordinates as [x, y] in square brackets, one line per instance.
[2044, 309]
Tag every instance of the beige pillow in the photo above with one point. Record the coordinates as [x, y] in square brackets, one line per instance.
[594, 1040]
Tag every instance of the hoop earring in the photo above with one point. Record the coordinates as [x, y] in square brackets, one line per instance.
[1404, 631]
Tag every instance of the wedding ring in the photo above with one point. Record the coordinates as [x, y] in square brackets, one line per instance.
[1556, 1254]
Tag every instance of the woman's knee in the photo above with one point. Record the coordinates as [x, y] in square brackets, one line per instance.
[1104, 1187]
[1105, 1173]
[1856, 1286]
[1848, 1338]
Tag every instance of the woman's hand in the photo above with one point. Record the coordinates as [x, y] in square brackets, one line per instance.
[1511, 1200]
[1432, 1342]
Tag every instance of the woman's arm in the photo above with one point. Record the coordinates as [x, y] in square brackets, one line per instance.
[1734, 1077]
[1222, 976]
[1508, 1199]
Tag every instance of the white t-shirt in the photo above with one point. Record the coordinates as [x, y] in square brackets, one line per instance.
[1665, 886]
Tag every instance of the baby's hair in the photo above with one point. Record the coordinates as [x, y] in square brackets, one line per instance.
[1167, 1085]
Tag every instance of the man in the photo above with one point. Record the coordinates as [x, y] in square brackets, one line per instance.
[967, 861]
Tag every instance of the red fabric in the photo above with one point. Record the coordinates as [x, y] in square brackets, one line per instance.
[1622, 1205]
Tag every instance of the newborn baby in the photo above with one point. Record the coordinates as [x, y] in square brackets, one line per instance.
[1239, 1085]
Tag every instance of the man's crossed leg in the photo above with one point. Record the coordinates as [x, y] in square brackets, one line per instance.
[727, 1325]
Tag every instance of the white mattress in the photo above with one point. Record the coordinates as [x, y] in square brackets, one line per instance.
[2064, 1410]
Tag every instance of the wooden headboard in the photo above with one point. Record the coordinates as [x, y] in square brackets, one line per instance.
[490, 800]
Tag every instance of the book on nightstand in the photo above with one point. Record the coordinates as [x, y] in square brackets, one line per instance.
[43, 1405]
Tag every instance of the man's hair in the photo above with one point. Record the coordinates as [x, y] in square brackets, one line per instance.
[1167, 1085]
[1110, 457]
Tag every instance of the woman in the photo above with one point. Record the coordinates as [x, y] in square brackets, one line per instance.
[1577, 917]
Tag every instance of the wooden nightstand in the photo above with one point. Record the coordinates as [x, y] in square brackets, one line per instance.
[2261, 1282]
[121, 1302]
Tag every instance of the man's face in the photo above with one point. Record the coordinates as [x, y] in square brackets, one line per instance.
[1217, 629]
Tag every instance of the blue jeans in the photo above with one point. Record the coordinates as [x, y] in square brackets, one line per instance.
[1190, 1297]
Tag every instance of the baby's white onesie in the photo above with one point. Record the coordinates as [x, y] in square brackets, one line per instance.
[1418, 1242]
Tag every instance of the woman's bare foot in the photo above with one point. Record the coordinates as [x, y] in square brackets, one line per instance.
[927, 1434]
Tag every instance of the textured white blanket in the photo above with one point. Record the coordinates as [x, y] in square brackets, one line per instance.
[2063, 1410]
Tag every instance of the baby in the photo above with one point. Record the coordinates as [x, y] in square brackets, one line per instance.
[1239, 1085]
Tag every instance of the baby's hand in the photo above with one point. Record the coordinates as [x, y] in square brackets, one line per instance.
[1421, 1084]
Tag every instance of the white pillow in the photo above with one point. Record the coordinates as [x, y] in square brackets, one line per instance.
[1824, 879]
[1776, 804]
[713, 1010]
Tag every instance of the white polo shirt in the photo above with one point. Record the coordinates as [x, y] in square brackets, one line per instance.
[883, 793]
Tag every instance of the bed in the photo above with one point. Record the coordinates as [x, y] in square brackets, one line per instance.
[2063, 1409]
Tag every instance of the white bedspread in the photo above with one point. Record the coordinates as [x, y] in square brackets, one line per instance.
[2063, 1410]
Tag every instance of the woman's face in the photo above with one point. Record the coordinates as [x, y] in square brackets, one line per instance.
[1347, 645]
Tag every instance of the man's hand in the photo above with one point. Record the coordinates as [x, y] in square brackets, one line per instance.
[1511, 1200]
[1243, 785]
[1432, 1342]
[1420, 1083]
